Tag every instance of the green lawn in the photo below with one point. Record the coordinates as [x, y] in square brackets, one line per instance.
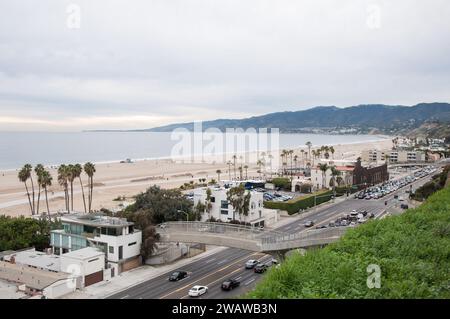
[412, 250]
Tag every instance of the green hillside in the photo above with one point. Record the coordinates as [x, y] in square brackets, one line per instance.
[412, 250]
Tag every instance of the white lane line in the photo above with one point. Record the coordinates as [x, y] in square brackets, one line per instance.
[124, 297]
[238, 278]
[222, 261]
[249, 282]
[210, 260]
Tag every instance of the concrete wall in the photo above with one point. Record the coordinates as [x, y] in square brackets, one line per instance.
[124, 241]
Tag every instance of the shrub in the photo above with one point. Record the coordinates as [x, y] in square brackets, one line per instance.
[295, 205]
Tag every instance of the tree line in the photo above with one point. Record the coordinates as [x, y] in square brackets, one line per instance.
[41, 178]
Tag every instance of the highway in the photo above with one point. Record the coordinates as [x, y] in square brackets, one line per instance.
[212, 270]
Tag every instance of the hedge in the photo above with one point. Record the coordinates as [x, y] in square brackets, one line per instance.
[294, 206]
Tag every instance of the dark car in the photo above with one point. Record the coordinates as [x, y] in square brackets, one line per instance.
[178, 275]
[230, 284]
[404, 206]
[260, 268]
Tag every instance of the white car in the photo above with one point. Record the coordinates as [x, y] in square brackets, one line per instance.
[197, 291]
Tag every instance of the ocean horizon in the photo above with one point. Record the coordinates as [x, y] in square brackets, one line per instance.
[55, 148]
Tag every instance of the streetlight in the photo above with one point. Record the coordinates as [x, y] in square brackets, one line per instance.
[182, 211]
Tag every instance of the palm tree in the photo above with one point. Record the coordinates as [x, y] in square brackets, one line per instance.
[309, 144]
[77, 170]
[70, 179]
[323, 168]
[89, 169]
[303, 157]
[234, 165]
[229, 170]
[63, 182]
[295, 161]
[39, 169]
[24, 175]
[240, 172]
[259, 163]
[246, 171]
[334, 174]
[332, 150]
[46, 181]
[218, 172]
[290, 152]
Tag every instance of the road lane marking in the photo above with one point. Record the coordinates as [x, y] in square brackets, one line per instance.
[249, 282]
[124, 297]
[222, 261]
[186, 286]
[208, 261]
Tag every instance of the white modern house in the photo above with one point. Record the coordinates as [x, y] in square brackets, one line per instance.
[115, 237]
[222, 210]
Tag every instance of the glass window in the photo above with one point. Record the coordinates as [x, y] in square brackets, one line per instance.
[224, 204]
[65, 241]
[111, 249]
[224, 212]
[56, 239]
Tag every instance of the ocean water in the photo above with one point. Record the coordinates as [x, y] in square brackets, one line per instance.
[19, 148]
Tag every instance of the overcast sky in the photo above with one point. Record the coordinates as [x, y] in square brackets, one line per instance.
[144, 63]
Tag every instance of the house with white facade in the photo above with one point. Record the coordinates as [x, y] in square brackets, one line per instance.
[222, 210]
[116, 237]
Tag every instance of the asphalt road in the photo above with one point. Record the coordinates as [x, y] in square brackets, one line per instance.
[211, 271]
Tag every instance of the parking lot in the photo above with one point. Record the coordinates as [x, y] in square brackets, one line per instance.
[390, 186]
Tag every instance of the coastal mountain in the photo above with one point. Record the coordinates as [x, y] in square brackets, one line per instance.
[373, 118]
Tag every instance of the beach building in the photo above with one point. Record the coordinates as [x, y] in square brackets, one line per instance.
[222, 210]
[395, 156]
[54, 275]
[115, 237]
[350, 173]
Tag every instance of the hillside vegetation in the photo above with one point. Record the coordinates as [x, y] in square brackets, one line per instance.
[412, 250]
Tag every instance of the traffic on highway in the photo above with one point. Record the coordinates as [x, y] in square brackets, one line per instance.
[232, 272]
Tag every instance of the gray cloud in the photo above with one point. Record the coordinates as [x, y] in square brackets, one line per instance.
[145, 63]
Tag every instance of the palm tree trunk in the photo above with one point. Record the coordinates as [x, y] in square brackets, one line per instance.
[29, 198]
[92, 193]
[46, 200]
[32, 189]
[38, 200]
[71, 193]
[82, 192]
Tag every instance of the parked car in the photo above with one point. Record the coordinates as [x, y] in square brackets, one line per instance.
[404, 206]
[251, 263]
[260, 268]
[230, 284]
[197, 291]
[178, 275]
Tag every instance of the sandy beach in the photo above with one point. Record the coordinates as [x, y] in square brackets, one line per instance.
[128, 179]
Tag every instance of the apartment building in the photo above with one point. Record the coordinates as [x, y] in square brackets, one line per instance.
[395, 156]
[222, 210]
[116, 237]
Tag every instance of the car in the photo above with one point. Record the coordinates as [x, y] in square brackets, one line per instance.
[230, 284]
[251, 263]
[260, 268]
[321, 227]
[309, 223]
[404, 206]
[178, 275]
[198, 291]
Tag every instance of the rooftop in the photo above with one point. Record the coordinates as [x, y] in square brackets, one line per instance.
[31, 277]
[35, 259]
[84, 253]
[95, 220]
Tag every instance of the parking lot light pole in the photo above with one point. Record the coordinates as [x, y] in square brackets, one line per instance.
[187, 215]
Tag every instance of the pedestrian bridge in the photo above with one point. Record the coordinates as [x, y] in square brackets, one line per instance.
[245, 237]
